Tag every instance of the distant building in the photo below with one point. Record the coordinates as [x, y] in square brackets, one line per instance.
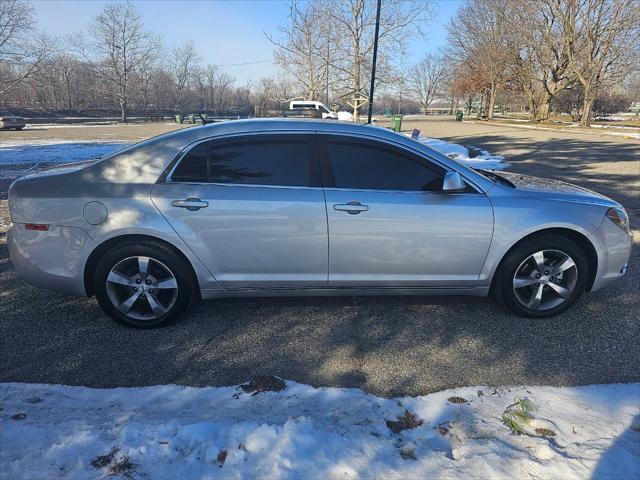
[438, 108]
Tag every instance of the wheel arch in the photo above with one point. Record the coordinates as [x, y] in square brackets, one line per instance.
[578, 238]
[110, 243]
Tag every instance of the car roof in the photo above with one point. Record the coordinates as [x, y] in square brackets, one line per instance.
[150, 158]
[298, 124]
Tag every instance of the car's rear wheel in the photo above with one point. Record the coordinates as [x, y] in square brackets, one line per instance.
[543, 276]
[143, 284]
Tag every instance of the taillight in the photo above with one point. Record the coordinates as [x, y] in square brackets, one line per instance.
[620, 218]
[38, 227]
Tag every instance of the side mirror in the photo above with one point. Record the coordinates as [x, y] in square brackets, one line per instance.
[453, 183]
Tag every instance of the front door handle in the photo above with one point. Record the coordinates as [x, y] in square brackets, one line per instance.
[191, 204]
[352, 208]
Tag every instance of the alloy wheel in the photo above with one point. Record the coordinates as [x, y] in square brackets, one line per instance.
[545, 280]
[142, 288]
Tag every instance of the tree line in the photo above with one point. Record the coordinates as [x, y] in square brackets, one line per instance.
[572, 56]
[567, 55]
[115, 64]
[562, 53]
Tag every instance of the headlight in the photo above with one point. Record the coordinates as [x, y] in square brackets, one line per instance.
[620, 218]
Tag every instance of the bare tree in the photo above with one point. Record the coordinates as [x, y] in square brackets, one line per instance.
[184, 62]
[426, 79]
[481, 38]
[601, 39]
[22, 48]
[543, 69]
[354, 24]
[307, 49]
[117, 45]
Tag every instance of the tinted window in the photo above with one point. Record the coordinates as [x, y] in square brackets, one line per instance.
[258, 162]
[376, 167]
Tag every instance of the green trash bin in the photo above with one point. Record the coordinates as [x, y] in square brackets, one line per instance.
[396, 123]
[192, 118]
[178, 118]
[458, 116]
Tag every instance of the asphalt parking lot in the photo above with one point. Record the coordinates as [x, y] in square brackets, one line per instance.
[385, 345]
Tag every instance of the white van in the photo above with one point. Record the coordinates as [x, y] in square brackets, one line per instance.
[311, 105]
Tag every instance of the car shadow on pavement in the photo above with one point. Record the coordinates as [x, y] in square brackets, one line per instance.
[388, 346]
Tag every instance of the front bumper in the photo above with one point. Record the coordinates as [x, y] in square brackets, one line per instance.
[54, 259]
[613, 253]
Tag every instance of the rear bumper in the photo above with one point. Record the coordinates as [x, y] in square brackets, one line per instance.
[54, 259]
[613, 254]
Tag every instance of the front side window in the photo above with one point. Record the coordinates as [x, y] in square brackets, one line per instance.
[369, 166]
[274, 161]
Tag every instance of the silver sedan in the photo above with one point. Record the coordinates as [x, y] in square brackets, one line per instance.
[290, 207]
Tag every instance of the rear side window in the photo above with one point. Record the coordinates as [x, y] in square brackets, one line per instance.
[370, 166]
[274, 161]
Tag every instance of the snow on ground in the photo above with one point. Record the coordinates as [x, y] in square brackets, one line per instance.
[167, 432]
[49, 126]
[55, 151]
[469, 156]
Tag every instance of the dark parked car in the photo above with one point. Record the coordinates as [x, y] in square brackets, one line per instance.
[8, 122]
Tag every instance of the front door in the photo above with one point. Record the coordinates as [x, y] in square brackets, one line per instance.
[390, 224]
[252, 209]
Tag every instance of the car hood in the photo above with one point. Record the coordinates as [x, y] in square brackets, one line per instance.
[562, 190]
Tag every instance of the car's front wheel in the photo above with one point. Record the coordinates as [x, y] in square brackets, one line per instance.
[543, 276]
[143, 284]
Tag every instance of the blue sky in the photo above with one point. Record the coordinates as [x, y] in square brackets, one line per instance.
[225, 31]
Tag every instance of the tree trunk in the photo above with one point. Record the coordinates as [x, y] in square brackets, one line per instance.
[123, 111]
[483, 98]
[587, 103]
[492, 101]
[585, 118]
[543, 109]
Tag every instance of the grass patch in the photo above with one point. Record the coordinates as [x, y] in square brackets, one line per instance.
[518, 415]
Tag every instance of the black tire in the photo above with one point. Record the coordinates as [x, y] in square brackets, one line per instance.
[161, 256]
[503, 284]
[19, 128]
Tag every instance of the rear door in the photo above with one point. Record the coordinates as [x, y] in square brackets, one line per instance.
[391, 225]
[252, 209]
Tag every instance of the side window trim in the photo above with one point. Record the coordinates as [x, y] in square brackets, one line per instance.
[315, 178]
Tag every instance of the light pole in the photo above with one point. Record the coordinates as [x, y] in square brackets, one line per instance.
[373, 66]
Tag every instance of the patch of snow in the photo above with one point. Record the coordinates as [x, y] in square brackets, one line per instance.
[166, 432]
[345, 116]
[615, 118]
[55, 151]
[576, 126]
[49, 126]
[469, 156]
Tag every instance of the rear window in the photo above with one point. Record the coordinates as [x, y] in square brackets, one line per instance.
[273, 161]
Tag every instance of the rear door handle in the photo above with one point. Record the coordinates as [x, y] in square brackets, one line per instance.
[352, 208]
[191, 204]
